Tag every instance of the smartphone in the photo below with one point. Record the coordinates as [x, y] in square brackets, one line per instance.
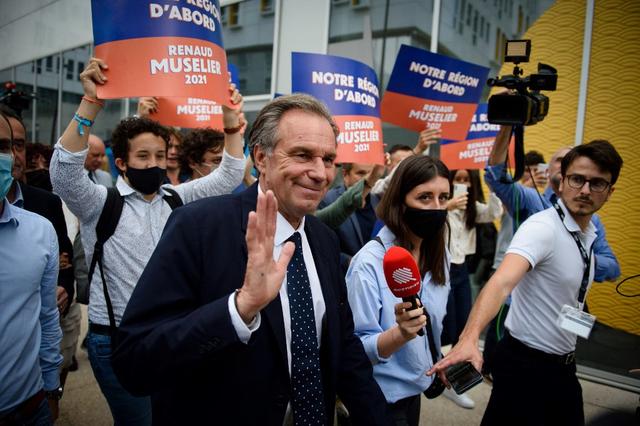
[459, 189]
[543, 167]
[463, 376]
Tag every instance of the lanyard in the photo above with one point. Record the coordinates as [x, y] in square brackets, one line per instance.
[586, 259]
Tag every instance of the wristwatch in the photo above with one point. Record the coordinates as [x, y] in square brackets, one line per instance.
[55, 394]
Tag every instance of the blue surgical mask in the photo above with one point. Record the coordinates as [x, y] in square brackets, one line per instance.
[6, 164]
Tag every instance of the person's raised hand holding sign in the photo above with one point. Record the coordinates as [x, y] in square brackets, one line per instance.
[232, 119]
[76, 135]
[147, 105]
[427, 138]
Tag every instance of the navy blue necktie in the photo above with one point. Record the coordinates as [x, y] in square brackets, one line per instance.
[308, 400]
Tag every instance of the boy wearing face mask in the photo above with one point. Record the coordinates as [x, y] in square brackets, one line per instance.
[140, 148]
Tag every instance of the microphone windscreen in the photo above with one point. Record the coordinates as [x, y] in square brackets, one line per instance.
[401, 272]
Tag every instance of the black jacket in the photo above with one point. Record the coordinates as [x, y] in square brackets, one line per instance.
[176, 340]
[48, 205]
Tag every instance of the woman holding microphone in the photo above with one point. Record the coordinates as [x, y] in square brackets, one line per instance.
[413, 210]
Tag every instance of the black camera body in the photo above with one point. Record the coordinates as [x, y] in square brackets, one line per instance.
[15, 99]
[528, 106]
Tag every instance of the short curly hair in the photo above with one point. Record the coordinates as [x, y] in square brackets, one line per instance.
[196, 143]
[131, 127]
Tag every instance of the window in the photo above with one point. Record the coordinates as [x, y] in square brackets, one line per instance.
[359, 4]
[469, 13]
[48, 64]
[70, 69]
[80, 69]
[230, 15]
[266, 7]
[234, 15]
[461, 23]
[487, 32]
[482, 27]
[36, 65]
[475, 21]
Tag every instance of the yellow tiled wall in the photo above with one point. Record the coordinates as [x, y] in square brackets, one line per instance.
[612, 113]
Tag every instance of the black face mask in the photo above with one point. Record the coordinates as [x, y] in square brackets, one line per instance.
[148, 180]
[425, 224]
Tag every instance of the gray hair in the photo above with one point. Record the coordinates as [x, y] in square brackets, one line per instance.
[265, 128]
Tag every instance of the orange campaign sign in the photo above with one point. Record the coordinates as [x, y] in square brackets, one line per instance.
[164, 49]
[472, 152]
[350, 89]
[431, 91]
[188, 112]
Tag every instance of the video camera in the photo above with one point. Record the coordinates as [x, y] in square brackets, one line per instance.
[526, 107]
[15, 99]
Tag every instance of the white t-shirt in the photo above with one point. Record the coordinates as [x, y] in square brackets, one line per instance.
[553, 281]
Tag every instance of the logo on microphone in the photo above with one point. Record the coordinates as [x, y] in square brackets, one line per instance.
[402, 275]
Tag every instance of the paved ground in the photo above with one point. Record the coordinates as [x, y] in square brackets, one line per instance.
[83, 404]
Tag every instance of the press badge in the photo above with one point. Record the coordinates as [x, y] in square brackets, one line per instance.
[576, 321]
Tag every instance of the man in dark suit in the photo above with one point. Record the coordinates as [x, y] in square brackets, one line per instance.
[216, 332]
[357, 230]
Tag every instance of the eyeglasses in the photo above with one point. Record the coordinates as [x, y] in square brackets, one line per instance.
[595, 184]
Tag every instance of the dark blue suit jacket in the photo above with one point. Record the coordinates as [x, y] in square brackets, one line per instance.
[176, 340]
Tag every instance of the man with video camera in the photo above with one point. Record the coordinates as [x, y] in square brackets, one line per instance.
[548, 269]
[523, 201]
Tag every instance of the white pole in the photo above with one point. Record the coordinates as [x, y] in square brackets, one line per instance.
[584, 73]
[435, 26]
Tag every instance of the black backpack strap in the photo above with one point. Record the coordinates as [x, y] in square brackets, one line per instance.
[173, 199]
[105, 228]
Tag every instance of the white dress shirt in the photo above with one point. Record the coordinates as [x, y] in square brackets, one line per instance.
[284, 230]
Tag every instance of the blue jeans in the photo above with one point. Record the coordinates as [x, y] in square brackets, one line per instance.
[126, 409]
[458, 304]
[40, 417]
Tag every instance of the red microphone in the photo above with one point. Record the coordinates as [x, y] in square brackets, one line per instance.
[403, 277]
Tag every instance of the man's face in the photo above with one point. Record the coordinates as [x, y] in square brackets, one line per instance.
[145, 150]
[173, 153]
[397, 157]
[210, 161]
[96, 154]
[18, 149]
[356, 174]
[554, 169]
[302, 165]
[583, 201]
